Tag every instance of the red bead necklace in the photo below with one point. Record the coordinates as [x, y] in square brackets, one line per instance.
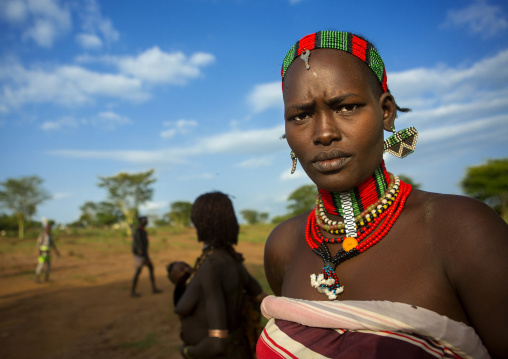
[327, 282]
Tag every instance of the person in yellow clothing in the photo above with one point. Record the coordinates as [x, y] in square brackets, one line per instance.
[44, 245]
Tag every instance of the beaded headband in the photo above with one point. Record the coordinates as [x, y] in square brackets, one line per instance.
[338, 40]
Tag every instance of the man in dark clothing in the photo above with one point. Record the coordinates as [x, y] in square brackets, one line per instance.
[141, 258]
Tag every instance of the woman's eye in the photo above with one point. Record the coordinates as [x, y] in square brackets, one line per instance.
[347, 108]
[301, 116]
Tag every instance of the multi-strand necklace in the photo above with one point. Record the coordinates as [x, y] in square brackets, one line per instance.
[369, 212]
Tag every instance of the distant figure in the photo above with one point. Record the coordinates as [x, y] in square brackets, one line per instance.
[214, 308]
[141, 258]
[44, 245]
[178, 273]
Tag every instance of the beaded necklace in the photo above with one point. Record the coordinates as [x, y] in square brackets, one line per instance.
[363, 230]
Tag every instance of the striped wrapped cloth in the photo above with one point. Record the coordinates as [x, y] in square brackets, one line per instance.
[362, 329]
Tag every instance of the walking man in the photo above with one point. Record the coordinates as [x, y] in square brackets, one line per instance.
[44, 245]
[141, 258]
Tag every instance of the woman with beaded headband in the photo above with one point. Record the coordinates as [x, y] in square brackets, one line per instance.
[377, 269]
[212, 305]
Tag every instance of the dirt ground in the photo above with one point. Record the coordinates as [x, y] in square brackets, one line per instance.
[85, 310]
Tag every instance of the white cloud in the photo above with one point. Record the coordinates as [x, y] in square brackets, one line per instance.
[168, 156]
[205, 176]
[157, 66]
[470, 130]
[256, 162]
[105, 120]
[95, 27]
[181, 126]
[61, 195]
[456, 110]
[14, 11]
[464, 108]
[259, 141]
[109, 120]
[478, 18]
[44, 20]
[168, 133]
[298, 175]
[60, 123]
[65, 85]
[429, 88]
[74, 85]
[89, 41]
[265, 96]
[152, 206]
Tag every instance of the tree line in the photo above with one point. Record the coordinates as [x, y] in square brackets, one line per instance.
[126, 192]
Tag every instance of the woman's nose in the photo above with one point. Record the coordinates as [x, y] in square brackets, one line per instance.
[326, 129]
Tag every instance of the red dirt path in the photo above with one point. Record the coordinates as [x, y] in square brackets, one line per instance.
[85, 310]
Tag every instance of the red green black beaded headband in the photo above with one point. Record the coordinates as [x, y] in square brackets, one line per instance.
[339, 40]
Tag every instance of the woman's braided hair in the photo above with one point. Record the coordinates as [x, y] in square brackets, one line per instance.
[215, 220]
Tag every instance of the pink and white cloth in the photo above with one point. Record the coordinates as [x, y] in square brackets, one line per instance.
[362, 329]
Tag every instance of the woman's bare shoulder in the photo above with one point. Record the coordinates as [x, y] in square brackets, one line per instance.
[452, 212]
[279, 248]
[451, 222]
[287, 232]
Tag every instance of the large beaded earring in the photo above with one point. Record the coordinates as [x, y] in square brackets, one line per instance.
[295, 160]
[402, 143]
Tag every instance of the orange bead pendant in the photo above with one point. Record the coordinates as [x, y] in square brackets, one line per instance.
[349, 243]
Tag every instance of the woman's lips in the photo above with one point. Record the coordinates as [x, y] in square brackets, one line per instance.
[330, 161]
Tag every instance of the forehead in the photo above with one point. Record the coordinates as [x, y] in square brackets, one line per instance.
[328, 67]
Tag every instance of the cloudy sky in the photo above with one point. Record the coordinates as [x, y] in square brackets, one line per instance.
[191, 88]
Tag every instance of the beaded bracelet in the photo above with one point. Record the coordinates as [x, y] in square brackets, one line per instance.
[186, 352]
[218, 333]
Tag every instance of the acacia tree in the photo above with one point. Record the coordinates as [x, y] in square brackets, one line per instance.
[88, 213]
[488, 182]
[302, 199]
[180, 213]
[22, 196]
[127, 191]
[252, 216]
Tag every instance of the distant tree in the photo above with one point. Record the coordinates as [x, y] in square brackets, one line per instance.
[99, 214]
[127, 191]
[180, 213]
[88, 213]
[108, 214]
[161, 221]
[489, 183]
[410, 181]
[263, 217]
[252, 216]
[8, 223]
[22, 196]
[302, 199]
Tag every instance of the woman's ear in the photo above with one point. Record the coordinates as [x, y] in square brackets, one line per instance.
[389, 108]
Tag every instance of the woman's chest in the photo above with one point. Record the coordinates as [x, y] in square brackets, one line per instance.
[397, 268]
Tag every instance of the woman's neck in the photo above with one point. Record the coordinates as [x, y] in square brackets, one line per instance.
[363, 196]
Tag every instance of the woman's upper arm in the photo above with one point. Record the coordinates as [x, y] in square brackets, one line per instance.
[278, 251]
[478, 269]
[190, 297]
[213, 295]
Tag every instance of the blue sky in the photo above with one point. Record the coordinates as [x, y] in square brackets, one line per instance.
[191, 88]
